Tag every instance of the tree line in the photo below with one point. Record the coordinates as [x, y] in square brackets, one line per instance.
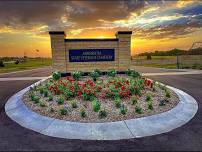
[173, 52]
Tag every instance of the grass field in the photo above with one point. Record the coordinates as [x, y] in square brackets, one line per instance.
[28, 64]
[156, 57]
[167, 66]
[170, 62]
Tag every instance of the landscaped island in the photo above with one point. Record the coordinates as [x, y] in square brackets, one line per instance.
[99, 97]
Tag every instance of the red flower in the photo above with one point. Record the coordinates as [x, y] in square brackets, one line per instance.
[145, 82]
[149, 82]
[69, 78]
[123, 88]
[88, 91]
[83, 85]
[91, 84]
[119, 83]
[72, 87]
[79, 93]
[99, 88]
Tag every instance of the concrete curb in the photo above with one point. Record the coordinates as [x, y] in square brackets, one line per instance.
[127, 129]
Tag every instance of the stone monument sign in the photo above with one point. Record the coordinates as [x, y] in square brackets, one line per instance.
[88, 54]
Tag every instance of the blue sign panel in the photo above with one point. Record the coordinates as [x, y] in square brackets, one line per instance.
[91, 55]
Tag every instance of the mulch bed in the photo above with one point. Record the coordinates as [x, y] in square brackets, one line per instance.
[113, 113]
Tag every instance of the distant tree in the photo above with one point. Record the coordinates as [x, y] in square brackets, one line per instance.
[2, 63]
[172, 52]
[196, 51]
[149, 57]
[17, 62]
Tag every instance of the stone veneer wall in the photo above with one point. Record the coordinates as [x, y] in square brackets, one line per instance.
[60, 52]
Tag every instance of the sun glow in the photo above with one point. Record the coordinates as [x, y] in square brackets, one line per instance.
[101, 37]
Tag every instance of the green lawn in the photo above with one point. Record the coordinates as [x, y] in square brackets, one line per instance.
[28, 64]
[167, 66]
[169, 62]
[156, 57]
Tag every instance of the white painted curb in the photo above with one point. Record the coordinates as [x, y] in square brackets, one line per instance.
[127, 129]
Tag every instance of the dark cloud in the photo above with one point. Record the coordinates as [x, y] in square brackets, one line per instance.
[68, 15]
[169, 32]
[99, 10]
[134, 6]
[26, 14]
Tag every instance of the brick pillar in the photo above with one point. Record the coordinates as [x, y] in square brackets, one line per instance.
[58, 50]
[124, 51]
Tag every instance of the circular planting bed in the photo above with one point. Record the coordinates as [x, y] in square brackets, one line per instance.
[99, 98]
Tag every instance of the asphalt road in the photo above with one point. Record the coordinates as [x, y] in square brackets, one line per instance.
[40, 72]
[186, 138]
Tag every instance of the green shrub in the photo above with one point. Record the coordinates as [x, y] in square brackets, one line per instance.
[150, 106]
[50, 98]
[41, 90]
[128, 72]
[31, 95]
[134, 100]
[77, 75]
[148, 97]
[83, 113]
[94, 75]
[162, 87]
[96, 105]
[123, 109]
[67, 92]
[117, 102]
[42, 104]
[167, 93]
[63, 111]
[56, 75]
[112, 73]
[138, 110]
[35, 99]
[45, 93]
[113, 92]
[61, 100]
[74, 104]
[89, 95]
[102, 114]
[135, 74]
[98, 71]
[154, 86]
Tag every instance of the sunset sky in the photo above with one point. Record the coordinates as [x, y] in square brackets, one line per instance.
[156, 25]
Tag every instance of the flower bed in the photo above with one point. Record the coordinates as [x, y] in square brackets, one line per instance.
[99, 98]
